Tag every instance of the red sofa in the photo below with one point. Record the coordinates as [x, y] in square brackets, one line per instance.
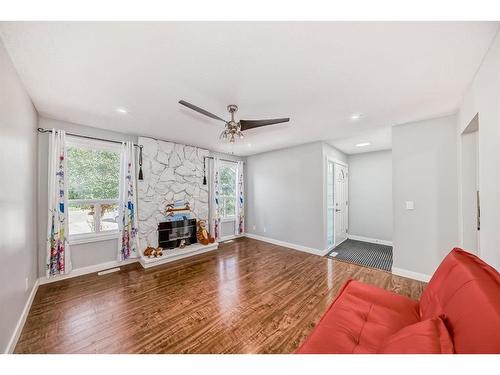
[459, 312]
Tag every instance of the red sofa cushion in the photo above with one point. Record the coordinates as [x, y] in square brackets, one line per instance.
[466, 291]
[426, 337]
[359, 319]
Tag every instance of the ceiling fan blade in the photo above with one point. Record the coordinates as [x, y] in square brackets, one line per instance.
[250, 124]
[200, 110]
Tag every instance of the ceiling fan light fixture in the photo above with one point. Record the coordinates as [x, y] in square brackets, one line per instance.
[234, 129]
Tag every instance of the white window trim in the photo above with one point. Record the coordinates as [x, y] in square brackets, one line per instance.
[78, 239]
[82, 238]
[97, 235]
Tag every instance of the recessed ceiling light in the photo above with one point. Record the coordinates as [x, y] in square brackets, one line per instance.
[356, 116]
[249, 144]
[363, 144]
[121, 110]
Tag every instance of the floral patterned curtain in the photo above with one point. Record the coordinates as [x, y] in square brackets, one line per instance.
[214, 202]
[58, 251]
[128, 246]
[239, 227]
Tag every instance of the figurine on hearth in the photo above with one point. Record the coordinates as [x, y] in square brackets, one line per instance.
[153, 252]
[202, 234]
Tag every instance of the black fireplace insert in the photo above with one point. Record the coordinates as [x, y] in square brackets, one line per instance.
[171, 233]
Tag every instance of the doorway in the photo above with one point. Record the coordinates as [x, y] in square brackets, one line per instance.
[470, 197]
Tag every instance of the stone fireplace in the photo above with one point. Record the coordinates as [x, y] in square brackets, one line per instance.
[172, 172]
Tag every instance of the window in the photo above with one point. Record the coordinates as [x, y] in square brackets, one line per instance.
[227, 190]
[93, 189]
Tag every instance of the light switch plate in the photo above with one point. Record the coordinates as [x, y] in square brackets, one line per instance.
[410, 205]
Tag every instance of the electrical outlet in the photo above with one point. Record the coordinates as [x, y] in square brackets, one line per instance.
[253, 227]
[26, 284]
[264, 229]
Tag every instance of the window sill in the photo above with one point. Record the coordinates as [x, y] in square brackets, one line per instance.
[87, 238]
[228, 219]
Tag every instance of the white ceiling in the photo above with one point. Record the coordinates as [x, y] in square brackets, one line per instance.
[317, 73]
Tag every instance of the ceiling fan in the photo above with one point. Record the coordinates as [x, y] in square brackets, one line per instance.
[234, 128]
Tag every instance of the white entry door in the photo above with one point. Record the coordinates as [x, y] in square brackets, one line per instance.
[330, 205]
[341, 203]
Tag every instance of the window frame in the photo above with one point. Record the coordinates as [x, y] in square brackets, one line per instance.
[97, 235]
[223, 216]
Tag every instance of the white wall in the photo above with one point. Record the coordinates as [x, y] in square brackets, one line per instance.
[483, 97]
[332, 153]
[424, 159]
[286, 194]
[370, 195]
[18, 209]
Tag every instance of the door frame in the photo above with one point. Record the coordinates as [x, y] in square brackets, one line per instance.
[327, 160]
[472, 127]
[335, 201]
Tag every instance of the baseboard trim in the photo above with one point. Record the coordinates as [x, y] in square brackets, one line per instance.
[369, 239]
[86, 270]
[410, 274]
[231, 237]
[22, 319]
[288, 244]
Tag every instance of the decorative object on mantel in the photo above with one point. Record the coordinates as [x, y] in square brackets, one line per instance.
[178, 211]
[233, 128]
[202, 233]
[153, 252]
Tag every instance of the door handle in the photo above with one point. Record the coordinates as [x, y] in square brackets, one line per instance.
[337, 210]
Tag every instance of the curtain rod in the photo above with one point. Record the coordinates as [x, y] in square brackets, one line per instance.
[42, 130]
[231, 161]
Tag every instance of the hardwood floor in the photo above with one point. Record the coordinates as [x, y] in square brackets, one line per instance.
[247, 297]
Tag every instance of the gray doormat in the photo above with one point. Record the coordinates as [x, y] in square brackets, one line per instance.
[364, 253]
